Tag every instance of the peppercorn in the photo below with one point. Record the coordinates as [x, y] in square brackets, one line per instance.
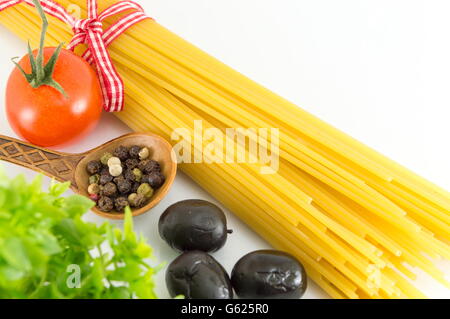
[144, 153]
[105, 177]
[129, 176]
[110, 190]
[118, 179]
[124, 186]
[94, 197]
[93, 167]
[148, 166]
[131, 163]
[132, 198]
[134, 175]
[144, 178]
[145, 190]
[105, 158]
[134, 151]
[138, 174]
[114, 161]
[136, 200]
[120, 203]
[121, 152]
[105, 204]
[124, 177]
[94, 179]
[93, 189]
[156, 179]
[135, 187]
[115, 170]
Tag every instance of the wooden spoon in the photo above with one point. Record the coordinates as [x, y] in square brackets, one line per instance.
[72, 167]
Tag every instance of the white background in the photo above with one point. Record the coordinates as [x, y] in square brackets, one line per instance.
[379, 70]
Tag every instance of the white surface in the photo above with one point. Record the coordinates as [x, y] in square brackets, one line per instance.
[379, 70]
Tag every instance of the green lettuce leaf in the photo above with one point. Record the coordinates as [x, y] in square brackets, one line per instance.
[47, 250]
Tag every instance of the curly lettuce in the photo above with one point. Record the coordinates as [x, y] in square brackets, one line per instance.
[48, 251]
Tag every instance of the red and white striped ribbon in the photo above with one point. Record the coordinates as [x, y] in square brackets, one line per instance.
[90, 31]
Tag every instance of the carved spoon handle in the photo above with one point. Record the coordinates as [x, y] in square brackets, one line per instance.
[60, 166]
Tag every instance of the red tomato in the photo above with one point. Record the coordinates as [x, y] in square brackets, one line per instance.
[43, 115]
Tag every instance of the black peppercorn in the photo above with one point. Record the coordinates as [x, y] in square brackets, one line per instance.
[120, 203]
[110, 190]
[105, 177]
[129, 176]
[118, 179]
[93, 167]
[124, 186]
[134, 151]
[121, 152]
[135, 187]
[131, 163]
[149, 166]
[105, 204]
[144, 178]
[137, 200]
[156, 179]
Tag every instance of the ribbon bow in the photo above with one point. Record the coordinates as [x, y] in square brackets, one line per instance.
[90, 31]
[84, 26]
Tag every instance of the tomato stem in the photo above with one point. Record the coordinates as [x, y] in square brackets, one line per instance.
[42, 74]
[40, 57]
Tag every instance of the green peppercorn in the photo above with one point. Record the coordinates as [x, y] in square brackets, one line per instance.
[137, 174]
[94, 179]
[105, 158]
[145, 190]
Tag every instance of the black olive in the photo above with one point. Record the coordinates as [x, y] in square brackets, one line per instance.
[194, 225]
[269, 274]
[197, 275]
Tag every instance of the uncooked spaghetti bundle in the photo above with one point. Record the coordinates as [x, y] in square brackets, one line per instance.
[359, 222]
